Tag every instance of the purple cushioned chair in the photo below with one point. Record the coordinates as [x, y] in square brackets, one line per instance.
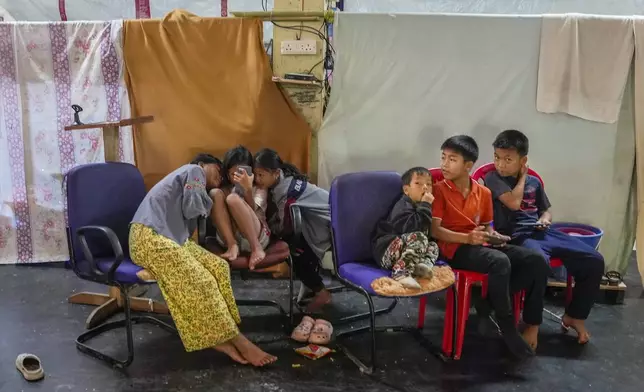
[102, 199]
[358, 201]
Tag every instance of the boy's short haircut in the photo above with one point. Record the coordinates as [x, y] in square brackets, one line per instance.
[409, 174]
[511, 139]
[464, 145]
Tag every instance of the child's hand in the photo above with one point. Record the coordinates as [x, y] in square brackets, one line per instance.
[501, 236]
[242, 178]
[477, 236]
[543, 224]
[427, 197]
[524, 170]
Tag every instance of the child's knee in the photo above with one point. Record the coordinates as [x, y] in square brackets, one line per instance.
[500, 264]
[421, 236]
[217, 194]
[233, 199]
[540, 264]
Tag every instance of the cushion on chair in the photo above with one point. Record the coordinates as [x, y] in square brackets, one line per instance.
[126, 273]
[276, 253]
[362, 274]
[442, 278]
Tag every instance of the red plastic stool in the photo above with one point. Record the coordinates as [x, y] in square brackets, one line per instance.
[464, 282]
[556, 263]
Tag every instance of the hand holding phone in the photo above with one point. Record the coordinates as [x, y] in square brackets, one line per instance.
[543, 224]
[477, 236]
[497, 239]
[243, 179]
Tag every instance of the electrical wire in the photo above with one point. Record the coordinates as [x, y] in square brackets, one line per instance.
[328, 61]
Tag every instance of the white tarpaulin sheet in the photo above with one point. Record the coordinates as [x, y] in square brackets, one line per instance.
[403, 83]
[534, 7]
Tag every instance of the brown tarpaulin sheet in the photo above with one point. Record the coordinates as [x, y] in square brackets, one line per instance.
[207, 82]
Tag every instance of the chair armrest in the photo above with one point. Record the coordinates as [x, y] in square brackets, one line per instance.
[201, 231]
[296, 220]
[114, 242]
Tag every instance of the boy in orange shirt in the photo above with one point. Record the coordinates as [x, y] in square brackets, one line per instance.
[461, 224]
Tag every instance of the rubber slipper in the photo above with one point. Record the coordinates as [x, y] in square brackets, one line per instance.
[302, 332]
[321, 334]
[614, 278]
[30, 367]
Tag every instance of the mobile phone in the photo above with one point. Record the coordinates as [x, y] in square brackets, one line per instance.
[237, 188]
[494, 240]
[529, 224]
[248, 169]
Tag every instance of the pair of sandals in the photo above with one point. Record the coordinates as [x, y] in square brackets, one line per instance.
[612, 278]
[30, 367]
[317, 332]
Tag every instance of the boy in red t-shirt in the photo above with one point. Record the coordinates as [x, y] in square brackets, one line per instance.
[462, 214]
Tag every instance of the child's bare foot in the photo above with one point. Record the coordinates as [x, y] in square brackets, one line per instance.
[255, 355]
[230, 350]
[256, 256]
[513, 340]
[232, 253]
[531, 336]
[320, 299]
[583, 336]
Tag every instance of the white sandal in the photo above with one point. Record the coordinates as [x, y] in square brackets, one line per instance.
[30, 367]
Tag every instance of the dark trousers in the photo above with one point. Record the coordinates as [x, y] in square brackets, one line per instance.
[306, 265]
[583, 262]
[510, 269]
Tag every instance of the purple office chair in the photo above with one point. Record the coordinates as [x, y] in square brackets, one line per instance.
[358, 201]
[102, 198]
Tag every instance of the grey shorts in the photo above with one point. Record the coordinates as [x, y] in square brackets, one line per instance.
[244, 245]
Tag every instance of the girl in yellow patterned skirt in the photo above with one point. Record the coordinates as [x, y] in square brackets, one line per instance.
[194, 282]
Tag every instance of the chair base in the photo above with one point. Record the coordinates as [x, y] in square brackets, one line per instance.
[346, 319]
[414, 331]
[287, 316]
[127, 324]
[112, 303]
[555, 317]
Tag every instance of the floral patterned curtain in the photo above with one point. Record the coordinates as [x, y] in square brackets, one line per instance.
[44, 69]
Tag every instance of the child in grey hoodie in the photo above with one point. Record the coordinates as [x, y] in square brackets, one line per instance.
[287, 186]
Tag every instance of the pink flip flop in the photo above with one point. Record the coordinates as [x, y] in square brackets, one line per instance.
[322, 331]
[302, 332]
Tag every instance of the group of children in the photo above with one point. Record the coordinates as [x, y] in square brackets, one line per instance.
[252, 196]
[501, 229]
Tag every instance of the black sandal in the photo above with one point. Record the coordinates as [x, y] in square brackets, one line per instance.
[614, 278]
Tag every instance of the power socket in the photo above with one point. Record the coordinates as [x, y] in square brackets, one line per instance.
[299, 47]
